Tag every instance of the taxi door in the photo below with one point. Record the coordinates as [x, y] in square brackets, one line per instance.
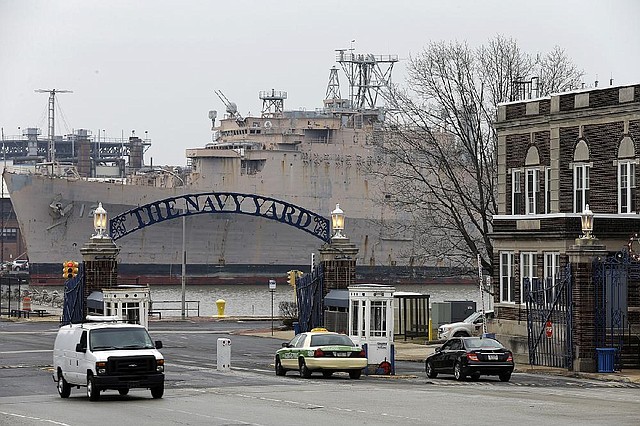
[289, 354]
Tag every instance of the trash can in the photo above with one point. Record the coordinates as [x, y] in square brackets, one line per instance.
[606, 359]
[296, 328]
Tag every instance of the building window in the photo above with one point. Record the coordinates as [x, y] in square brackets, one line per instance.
[516, 192]
[580, 187]
[528, 270]
[507, 282]
[547, 190]
[551, 275]
[626, 186]
[532, 188]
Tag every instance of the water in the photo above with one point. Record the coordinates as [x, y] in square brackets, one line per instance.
[255, 300]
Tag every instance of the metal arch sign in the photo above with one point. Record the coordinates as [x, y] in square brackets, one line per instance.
[219, 202]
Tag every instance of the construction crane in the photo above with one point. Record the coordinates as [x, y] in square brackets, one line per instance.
[51, 154]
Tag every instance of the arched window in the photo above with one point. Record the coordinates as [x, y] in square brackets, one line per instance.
[626, 176]
[581, 168]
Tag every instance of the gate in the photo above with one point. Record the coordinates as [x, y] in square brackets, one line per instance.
[309, 295]
[611, 277]
[549, 312]
[73, 306]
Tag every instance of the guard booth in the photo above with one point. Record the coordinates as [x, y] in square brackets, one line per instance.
[129, 303]
[371, 325]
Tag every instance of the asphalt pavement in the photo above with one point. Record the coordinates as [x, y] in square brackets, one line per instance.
[404, 350]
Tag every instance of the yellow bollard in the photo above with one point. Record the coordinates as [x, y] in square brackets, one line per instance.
[220, 303]
[430, 331]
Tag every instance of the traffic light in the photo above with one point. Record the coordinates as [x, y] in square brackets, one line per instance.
[69, 269]
[291, 278]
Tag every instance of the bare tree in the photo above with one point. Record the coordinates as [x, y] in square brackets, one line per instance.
[440, 143]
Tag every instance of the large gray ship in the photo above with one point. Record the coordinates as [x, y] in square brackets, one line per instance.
[309, 158]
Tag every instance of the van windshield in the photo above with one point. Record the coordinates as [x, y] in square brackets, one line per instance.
[119, 338]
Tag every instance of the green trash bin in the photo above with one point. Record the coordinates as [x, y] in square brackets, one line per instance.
[606, 359]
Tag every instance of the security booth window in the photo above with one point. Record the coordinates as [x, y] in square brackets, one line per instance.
[378, 320]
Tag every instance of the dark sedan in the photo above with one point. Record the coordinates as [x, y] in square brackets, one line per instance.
[471, 356]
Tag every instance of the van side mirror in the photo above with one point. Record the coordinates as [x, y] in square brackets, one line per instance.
[158, 344]
[80, 348]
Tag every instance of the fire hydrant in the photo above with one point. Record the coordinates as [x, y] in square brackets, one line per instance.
[220, 303]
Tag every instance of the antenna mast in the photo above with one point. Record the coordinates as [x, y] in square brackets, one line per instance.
[51, 154]
[367, 74]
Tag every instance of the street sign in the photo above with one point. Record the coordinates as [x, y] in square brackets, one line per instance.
[549, 329]
[272, 284]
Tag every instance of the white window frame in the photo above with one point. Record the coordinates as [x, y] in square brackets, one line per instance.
[528, 269]
[547, 190]
[626, 184]
[507, 279]
[531, 188]
[551, 273]
[583, 187]
[516, 180]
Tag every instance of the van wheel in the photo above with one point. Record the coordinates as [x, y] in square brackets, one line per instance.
[64, 388]
[92, 390]
[123, 392]
[157, 392]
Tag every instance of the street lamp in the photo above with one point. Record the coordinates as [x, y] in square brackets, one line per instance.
[100, 221]
[337, 222]
[587, 223]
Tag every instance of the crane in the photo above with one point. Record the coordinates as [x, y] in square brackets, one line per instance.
[231, 107]
[51, 155]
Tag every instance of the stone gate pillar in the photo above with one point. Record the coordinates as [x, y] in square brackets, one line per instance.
[99, 256]
[338, 260]
[581, 256]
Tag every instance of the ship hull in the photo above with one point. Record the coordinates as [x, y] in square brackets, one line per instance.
[55, 218]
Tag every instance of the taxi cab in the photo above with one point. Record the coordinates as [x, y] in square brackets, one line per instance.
[323, 351]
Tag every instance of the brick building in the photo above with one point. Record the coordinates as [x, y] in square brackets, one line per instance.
[556, 156]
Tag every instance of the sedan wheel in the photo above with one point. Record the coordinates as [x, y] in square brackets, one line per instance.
[457, 372]
[504, 377]
[429, 369]
[304, 371]
[475, 376]
[123, 392]
[280, 371]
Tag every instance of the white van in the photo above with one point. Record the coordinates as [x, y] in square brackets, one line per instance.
[107, 355]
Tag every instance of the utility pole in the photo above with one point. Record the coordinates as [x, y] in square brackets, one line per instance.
[51, 154]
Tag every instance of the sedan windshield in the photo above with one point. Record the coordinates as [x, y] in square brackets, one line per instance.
[119, 338]
[330, 339]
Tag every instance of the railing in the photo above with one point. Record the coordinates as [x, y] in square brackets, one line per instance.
[175, 306]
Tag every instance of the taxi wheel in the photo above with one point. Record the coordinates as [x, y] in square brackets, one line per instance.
[123, 392]
[304, 371]
[280, 371]
[355, 374]
[327, 374]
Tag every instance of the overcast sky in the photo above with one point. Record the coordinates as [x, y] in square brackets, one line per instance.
[153, 65]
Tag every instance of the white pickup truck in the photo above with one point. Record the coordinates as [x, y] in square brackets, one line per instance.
[470, 326]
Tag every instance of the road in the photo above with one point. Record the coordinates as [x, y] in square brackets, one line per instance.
[197, 393]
